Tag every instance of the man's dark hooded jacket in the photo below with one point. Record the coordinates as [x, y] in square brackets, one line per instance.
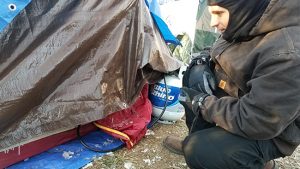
[262, 76]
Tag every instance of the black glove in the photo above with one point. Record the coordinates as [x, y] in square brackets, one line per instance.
[191, 99]
[198, 75]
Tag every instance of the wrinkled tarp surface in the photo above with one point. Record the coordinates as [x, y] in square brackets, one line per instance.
[70, 62]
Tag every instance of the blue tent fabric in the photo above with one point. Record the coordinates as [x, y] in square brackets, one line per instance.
[9, 9]
[153, 6]
[162, 26]
[165, 31]
[71, 155]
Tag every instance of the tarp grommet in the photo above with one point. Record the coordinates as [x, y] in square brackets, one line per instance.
[12, 7]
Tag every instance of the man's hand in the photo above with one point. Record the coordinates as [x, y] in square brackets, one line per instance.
[192, 99]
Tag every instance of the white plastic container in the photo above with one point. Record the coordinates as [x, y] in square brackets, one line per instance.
[174, 110]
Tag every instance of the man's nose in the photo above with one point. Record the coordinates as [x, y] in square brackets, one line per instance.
[214, 21]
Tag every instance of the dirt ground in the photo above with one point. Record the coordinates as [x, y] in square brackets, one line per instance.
[150, 154]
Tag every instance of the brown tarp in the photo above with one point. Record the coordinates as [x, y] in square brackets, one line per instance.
[70, 62]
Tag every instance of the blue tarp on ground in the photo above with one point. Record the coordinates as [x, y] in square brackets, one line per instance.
[71, 155]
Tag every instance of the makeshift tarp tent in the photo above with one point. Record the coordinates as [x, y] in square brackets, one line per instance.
[70, 62]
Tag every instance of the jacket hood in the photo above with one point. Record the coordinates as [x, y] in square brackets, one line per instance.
[279, 14]
[244, 14]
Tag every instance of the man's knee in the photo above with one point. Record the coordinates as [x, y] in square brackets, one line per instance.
[199, 152]
[216, 148]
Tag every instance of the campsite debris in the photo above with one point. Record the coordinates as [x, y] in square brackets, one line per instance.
[152, 161]
[68, 154]
[110, 154]
[129, 165]
[147, 161]
[145, 150]
[156, 158]
[150, 133]
[108, 142]
[98, 146]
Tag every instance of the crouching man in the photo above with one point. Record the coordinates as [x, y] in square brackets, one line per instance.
[243, 104]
